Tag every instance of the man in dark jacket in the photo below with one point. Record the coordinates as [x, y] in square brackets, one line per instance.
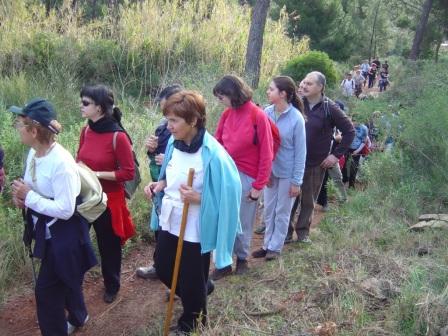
[322, 116]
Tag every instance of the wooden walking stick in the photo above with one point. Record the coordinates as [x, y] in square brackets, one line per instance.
[180, 243]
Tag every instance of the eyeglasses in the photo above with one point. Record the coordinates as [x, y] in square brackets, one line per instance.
[86, 102]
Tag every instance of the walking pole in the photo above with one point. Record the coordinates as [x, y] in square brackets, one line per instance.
[180, 243]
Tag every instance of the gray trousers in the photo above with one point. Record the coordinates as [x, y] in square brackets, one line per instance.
[248, 210]
[312, 182]
[336, 175]
[277, 210]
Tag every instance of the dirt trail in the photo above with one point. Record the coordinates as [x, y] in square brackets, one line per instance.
[140, 304]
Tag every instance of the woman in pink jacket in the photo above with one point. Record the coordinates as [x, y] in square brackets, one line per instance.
[245, 132]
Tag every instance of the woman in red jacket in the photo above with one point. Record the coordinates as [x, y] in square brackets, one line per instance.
[245, 133]
[106, 148]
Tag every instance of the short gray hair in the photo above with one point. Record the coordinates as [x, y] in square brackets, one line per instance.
[320, 77]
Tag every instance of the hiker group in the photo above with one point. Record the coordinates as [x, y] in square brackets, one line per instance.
[282, 155]
[365, 73]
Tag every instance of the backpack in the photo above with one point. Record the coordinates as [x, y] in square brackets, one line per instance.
[274, 131]
[367, 147]
[93, 199]
[130, 186]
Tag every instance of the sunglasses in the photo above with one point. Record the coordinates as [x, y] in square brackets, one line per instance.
[86, 102]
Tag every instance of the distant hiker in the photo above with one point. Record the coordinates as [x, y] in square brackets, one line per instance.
[374, 130]
[105, 148]
[300, 89]
[214, 199]
[156, 146]
[365, 70]
[2, 170]
[383, 79]
[245, 132]
[354, 154]
[333, 172]
[359, 81]
[372, 75]
[322, 116]
[348, 85]
[386, 66]
[377, 62]
[48, 193]
[288, 167]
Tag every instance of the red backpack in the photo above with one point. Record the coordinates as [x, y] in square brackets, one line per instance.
[274, 131]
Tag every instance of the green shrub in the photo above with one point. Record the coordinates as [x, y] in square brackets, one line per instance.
[299, 66]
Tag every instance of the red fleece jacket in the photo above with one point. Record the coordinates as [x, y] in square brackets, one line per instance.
[97, 152]
[235, 131]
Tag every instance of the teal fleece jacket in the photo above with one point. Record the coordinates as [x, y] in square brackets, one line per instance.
[219, 220]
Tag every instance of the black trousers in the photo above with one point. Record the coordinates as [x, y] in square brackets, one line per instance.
[350, 175]
[53, 296]
[192, 280]
[109, 246]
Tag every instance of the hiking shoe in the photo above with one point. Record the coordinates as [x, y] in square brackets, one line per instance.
[260, 230]
[242, 266]
[71, 328]
[260, 253]
[220, 273]
[109, 297]
[210, 287]
[305, 240]
[288, 239]
[272, 255]
[147, 273]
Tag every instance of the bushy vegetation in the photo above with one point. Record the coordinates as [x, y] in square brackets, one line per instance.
[298, 67]
[140, 45]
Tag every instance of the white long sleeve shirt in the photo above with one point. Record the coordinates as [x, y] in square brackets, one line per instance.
[56, 185]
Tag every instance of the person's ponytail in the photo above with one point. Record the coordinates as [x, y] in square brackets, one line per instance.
[297, 102]
[117, 114]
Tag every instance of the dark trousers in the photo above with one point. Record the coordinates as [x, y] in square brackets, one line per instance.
[53, 296]
[192, 280]
[109, 246]
[312, 182]
[322, 199]
[371, 81]
[156, 237]
[350, 174]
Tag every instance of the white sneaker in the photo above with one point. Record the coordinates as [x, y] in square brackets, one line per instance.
[71, 328]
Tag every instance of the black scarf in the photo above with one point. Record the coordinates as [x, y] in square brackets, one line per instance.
[106, 125]
[196, 142]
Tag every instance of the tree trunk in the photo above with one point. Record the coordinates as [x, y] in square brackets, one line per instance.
[420, 31]
[74, 5]
[439, 43]
[47, 7]
[373, 30]
[255, 41]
